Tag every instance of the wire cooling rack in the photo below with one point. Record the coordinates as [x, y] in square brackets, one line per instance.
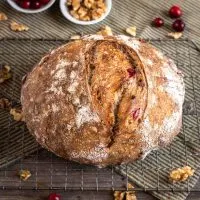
[18, 149]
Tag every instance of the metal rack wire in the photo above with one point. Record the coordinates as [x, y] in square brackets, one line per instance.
[18, 149]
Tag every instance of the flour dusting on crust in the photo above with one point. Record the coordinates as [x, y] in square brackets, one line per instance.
[84, 115]
[58, 75]
[131, 42]
[98, 154]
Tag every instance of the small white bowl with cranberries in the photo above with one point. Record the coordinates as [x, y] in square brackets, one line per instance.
[31, 6]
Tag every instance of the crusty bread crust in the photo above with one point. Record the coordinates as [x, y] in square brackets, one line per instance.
[103, 100]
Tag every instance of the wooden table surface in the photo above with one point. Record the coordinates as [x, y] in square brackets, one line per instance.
[71, 195]
[79, 195]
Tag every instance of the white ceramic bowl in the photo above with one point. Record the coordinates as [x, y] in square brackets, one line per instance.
[67, 15]
[30, 11]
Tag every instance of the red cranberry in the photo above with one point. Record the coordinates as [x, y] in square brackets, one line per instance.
[136, 113]
[131, 72]
[54, 196]
[178, 25]
[35, 4]
[18, 2]
[142, 40]
[175, 11]
[25, 4]
[158, 22]
[44, 1]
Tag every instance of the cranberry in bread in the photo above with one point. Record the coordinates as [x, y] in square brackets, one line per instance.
[104, 100]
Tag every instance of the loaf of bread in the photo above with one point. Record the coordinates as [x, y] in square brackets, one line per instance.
[103, 100]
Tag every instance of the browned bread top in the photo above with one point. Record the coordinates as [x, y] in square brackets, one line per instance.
[103, 100]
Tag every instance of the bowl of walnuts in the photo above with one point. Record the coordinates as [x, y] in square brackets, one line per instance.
[85, 12]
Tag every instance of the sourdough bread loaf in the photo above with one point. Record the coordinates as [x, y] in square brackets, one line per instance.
[103, 100]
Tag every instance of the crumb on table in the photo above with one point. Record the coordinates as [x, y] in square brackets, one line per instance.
[105, 31]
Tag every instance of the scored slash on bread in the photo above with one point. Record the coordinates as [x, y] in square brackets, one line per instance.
[103, 100]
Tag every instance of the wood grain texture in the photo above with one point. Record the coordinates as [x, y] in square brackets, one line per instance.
[104, 195]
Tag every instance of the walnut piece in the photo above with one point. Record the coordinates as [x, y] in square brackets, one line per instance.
[88, 3]
[74, 14]
[97, 13]
[131, 30]
[69, 2]
[130, 186]
[24, 174]
[17, 114]
[76, 4]
[125, 195]
[3, 16]
[105, 31]
[86, 10]
[82, 12]
[119, 195]
[175, 35]
[14, 26]
[5, 73]
[181, 174]
[4, 103]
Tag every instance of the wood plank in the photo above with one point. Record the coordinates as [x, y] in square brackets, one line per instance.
[76, 195]
[72, 195]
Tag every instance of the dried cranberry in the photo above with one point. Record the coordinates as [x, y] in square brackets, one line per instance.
[175, 12]
[131, 72]
[136, 113]
[158, 22]
[133, 97]
[142, 40]
[35, 4]
[44, 1]
[54, 196]
[178, 25]
[25, 4]
[18, 2]
[141, 83]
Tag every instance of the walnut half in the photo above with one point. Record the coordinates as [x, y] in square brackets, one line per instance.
[181, 174]
[119, 195]
[105, 31]
[75, 37]
[5, 73]
[131, 30]
[4, 103]
[14, 26]
[175, 35]
[125, 195]
[24, 174]
[3, 16]
[17, 114]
